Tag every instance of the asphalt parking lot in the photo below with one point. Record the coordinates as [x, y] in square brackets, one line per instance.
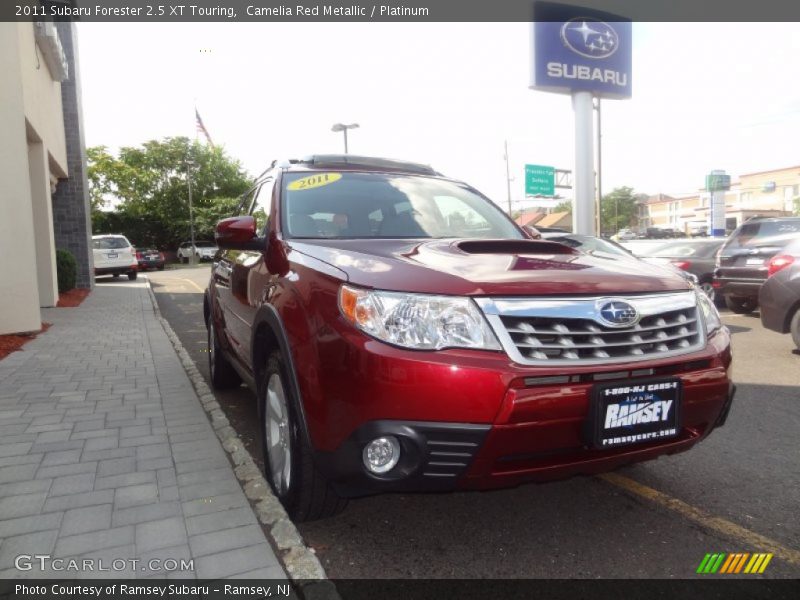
[736, 492]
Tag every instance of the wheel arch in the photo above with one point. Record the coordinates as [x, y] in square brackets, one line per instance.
[787, 321]
[269, 335]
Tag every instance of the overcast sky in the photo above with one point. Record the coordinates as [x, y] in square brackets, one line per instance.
[705, 96]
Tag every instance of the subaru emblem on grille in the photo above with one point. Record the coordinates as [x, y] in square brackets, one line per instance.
[616, 313]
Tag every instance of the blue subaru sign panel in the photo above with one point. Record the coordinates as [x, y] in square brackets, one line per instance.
[586, 51]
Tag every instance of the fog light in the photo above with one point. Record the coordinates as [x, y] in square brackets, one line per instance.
[382, 454]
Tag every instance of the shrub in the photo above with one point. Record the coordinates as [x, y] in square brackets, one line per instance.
[66, 269]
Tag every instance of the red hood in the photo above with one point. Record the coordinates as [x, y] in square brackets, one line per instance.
[487, 267]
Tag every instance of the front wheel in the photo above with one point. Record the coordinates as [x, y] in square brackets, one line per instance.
[708, 289]
[223, 375]
[288, 465]
[741, 306]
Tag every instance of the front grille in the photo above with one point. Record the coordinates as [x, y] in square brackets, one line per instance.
[569, 331]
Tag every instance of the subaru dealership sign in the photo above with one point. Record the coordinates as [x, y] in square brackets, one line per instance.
[586, 51]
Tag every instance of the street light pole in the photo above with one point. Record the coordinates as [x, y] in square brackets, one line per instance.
[343, 128]
[191, 211]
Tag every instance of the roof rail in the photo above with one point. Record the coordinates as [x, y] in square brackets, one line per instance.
[370, 162]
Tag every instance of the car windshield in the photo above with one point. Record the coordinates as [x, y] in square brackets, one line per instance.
[205, 245]
[109, 243]
[679, 249]
[381, 205]
[763, 233]
[589, 244]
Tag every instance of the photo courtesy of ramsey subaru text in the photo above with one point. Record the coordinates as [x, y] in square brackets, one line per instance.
[401, 333]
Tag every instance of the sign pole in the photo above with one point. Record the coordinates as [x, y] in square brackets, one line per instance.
[583, 206]
[508, 176]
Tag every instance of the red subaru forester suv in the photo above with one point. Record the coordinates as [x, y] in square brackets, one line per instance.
[403, 334]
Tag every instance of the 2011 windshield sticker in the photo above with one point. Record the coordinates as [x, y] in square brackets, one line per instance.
[313, 181]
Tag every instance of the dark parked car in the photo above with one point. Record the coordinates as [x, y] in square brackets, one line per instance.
[695, 256]
[743, 262]
[402, 333]
[655, 233]
[150, 258]
[780, 295]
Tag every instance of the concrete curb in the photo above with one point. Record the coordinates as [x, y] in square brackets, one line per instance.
[299, 561]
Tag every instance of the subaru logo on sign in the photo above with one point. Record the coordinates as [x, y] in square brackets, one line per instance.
[589, 38]
[617, 313]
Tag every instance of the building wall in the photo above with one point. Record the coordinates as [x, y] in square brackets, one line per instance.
[42, 97]
[755, 190]
[71, 207]
[19, 290]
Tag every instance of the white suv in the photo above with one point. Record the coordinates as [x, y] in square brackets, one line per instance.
[202, 250]
[114, 255]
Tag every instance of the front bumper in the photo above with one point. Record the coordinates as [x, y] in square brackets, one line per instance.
[479, 421]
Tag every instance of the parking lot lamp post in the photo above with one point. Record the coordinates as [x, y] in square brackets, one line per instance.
[193, 258]
[343, 128]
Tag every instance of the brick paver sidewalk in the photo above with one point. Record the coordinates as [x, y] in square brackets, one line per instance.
[106, 452]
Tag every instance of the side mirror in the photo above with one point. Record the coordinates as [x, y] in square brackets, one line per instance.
[532, 232]
[238, 233]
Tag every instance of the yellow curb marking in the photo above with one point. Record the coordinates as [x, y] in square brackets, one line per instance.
[722, 526]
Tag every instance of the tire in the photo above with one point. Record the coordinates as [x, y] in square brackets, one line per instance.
[116, 275]
[741, 306]
[161, 267]
[133, 275]
[223, 375]
[708, 289]
[301, 488]
[794, 328]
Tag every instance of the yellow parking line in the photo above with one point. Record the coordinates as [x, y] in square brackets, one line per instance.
[189, 281]
[722, 526]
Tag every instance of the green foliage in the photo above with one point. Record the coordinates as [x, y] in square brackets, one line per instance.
[150, 185]
[618, 210]
[565, 206]
[66, 270]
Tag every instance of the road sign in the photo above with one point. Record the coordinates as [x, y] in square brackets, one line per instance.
[540, 180]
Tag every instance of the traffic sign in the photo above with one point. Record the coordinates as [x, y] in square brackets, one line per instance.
[540, 180]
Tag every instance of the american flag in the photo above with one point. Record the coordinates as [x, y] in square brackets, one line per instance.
[202, 128]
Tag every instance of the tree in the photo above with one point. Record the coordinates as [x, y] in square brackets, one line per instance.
[565, 206]
[150, 185]
[618, 210]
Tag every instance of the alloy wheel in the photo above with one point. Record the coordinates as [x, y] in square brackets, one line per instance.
[276, 428]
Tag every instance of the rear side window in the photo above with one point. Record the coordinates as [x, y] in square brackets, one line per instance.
[110, 243]
[760, 233]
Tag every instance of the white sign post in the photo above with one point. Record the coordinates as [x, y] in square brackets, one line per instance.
[585, 53]
[583, 221]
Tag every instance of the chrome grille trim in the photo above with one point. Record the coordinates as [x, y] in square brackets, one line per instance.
[567, 330]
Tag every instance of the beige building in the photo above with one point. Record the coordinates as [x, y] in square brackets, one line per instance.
[772, 193]
[34, 160]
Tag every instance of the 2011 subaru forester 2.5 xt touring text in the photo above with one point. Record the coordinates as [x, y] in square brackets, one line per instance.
[403, 334]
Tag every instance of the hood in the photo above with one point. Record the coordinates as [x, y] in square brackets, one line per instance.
[487, 267]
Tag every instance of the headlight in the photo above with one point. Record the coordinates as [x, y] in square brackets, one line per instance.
[417, 321]
[710, 314]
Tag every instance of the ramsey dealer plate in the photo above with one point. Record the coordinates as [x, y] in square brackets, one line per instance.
[634, 413]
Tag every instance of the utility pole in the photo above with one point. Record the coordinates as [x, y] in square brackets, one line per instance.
[508, 176]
